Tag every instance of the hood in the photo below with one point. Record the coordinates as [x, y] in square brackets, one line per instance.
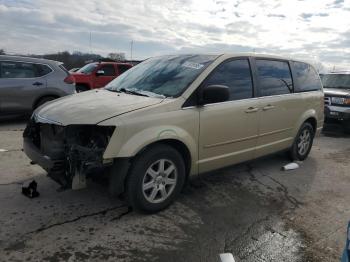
[91, 107]
[336, 91]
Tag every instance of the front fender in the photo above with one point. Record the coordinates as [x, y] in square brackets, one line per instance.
[133, 144]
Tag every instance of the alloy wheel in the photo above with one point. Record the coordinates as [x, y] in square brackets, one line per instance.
[159, 181]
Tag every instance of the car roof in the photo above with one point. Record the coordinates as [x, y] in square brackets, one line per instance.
[246, 54]
[29, 59]
[110, 62]
[338, 73]
[268, 56]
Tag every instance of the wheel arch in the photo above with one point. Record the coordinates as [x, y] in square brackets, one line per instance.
[124, 145]
[313, 122]
[84, 84]
[38, 99]
[309, 116]
[177, 145]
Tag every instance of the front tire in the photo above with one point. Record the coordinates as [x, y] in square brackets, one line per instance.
[156, 178]
[302, 143]
[347, 127]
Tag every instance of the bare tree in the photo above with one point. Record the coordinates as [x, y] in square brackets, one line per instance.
[2, 52]
[117, 56]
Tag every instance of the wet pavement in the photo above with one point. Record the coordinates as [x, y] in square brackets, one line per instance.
[253, 210]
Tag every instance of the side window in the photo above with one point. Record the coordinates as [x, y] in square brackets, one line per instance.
[236, 75]
[274, 77]
[305, 77]
[123, 68]
[41, 70]
[17, 70]
[108, 69]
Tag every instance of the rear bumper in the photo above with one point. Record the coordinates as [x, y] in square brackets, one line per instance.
[337, 112]
[36, 155]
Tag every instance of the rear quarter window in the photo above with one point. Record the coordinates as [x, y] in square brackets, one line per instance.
[306, 77]
[42, 70]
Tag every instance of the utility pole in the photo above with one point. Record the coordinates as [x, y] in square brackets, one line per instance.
[131, 46]
[90, 42]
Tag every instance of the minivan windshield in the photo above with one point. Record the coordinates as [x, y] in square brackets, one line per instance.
[87, 69]
[165, 76]
[336, 81]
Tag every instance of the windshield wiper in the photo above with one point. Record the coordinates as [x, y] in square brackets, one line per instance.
[133, 92]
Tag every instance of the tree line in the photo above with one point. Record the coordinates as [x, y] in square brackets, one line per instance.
[77, 59]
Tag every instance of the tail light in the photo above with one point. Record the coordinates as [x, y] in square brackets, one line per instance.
[69, 79]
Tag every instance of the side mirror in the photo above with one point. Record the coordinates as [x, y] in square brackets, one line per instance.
[100, 73]
[214, 94]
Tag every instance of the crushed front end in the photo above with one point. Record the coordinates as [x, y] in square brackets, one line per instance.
[68, 153]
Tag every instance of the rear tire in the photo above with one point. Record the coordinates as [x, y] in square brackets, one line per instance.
[302, 143]
[44, 100]
[347, 127]
[155, 179]
[81, 88]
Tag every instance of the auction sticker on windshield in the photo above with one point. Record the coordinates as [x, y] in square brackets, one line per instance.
[192, 65]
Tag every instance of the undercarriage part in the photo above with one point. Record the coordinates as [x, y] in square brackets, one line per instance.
[74, 150]
[79, 180]
[117, 175]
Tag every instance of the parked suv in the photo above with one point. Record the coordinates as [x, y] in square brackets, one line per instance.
[98, 74]
[171, 117]
[337, 97]
[26, 83]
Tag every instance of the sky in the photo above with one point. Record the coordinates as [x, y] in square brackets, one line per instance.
[314, 30]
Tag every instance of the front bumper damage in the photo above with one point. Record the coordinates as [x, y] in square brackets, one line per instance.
[67, 153]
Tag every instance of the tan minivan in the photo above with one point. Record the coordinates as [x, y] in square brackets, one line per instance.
[174, 116]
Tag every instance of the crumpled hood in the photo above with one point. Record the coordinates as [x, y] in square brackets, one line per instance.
[337, 91]
[91, 107]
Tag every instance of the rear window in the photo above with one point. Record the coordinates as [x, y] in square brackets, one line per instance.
[64, 69]
[305, 77]
[274, 77]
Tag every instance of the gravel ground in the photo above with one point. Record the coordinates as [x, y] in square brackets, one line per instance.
[253, 210]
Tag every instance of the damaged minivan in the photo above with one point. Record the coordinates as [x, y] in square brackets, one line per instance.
[170, 117]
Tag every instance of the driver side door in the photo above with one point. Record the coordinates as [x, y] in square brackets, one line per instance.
[229, 130]
[109, 73]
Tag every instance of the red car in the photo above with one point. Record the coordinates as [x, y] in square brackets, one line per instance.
[98, 74]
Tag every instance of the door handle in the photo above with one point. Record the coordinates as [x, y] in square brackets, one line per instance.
[37, 84]
[268, 107]
[252, 110]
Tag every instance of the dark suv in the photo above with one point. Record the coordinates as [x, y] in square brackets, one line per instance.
[26, 83]
[337, 97]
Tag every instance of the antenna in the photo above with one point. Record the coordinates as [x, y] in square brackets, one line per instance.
[131, 46]
[90, 42]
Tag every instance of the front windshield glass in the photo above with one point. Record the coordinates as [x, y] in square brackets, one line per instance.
[336, 81]
[166, 76]
[87, 69]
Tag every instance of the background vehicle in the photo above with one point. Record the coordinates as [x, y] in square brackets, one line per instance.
[74, 69]
[26, 83]
[174, 116]
[98, 74]
[337, 97]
